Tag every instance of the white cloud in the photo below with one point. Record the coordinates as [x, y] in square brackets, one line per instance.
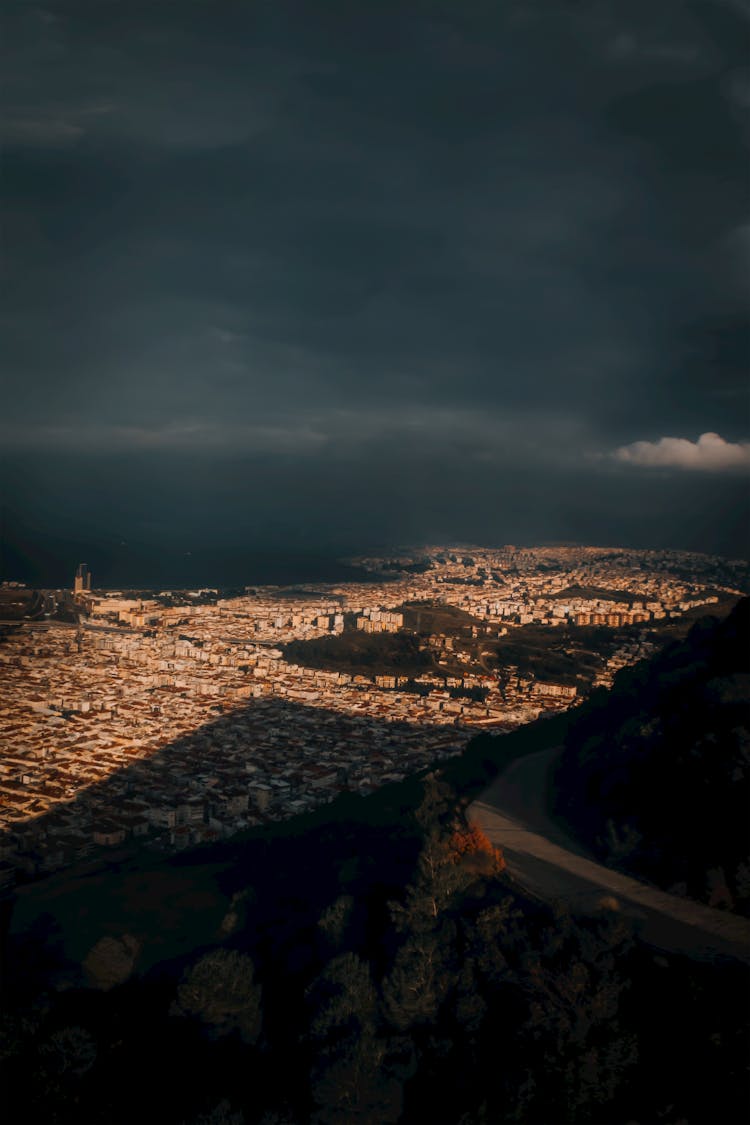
[710, 453]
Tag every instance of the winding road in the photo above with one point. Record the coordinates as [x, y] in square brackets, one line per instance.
[552, 866]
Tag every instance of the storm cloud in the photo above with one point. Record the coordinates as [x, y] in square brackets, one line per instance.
[409, 270]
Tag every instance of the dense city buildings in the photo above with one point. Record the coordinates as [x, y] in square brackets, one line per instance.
[168, 718]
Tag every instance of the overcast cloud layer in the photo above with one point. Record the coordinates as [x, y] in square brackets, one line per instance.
[354, 273]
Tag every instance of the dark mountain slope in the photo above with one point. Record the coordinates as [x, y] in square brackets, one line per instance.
[655, 775]
[375, 965]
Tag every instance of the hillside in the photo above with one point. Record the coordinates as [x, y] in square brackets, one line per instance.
[371, 962]
[655, 776]
[355, 652]
[366, 977]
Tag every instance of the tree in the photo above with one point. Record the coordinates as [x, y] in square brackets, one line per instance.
[334, 921]
[111, 961]
[469, 1005]
[353, 1083]
[451, 859]
[436, 806]
[350, 1079]
[419, 980]
[471, 847]
[573, 984]
[484, 938]
[437, 880]
[343, 997]
[219, 990]
[71, 1052]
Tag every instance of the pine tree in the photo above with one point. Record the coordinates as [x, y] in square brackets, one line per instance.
[343, 998]
[334, 921]
[220, 991]
[350, 1078]
[419, 980]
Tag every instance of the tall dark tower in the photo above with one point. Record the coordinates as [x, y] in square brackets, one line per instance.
[82, 584]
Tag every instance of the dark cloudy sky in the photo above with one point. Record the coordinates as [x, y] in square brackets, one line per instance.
[328, 274]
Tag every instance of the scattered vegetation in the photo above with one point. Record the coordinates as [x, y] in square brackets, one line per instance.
[565, 655]
[364, 653]
[427, 617]
[440, 995]
[600, 592]
[381, 966]
[403, 654]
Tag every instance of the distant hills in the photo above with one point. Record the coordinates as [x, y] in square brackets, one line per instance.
[655, 775]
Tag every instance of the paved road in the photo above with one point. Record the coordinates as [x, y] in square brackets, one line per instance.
[39, 624]
[552, 866]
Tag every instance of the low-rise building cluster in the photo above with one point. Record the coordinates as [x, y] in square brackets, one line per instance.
[165, 724]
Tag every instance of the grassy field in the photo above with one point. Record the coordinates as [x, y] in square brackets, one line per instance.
[566, 656]
[356, 652]
[426, 618]
[599, 592]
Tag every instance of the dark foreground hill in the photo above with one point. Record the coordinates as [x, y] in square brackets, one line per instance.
[372, 963]
[655, 775]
